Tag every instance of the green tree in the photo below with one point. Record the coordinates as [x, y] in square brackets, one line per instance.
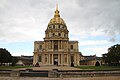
[14, 61]
[5, 56]
[113, 55]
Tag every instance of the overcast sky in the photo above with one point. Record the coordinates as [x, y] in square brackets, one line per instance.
[94, 23]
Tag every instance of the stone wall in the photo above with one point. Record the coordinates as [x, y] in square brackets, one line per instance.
[58, 73]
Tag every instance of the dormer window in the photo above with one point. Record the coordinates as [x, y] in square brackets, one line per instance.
[53, 34]
[59, 34]
[50, 27]
[59, 26]
[53, 26]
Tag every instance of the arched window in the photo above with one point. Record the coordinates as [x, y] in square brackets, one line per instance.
[40, 47]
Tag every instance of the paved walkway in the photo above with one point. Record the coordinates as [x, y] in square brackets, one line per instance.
[55, 67]
[51, 67]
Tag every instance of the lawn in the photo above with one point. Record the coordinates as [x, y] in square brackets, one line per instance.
[12, 67]
[99, 67]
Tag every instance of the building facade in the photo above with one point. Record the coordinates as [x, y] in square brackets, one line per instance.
[90, 60]
[56, 49]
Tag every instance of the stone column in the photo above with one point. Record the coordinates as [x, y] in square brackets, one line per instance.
[58, 45]
[75, 56]
[67, 59]
[43, 58]
[48, 58]
[58, 59]
[49, 44]
[35, 59]
[67, 46]
[45, 45]
[61, 45]
[78, 59]
[62, 59]
[52, 58]
[52, 45]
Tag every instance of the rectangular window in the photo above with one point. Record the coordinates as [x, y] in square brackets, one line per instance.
[65, 57]
[71, 46]
[45, 58]
[39, 58]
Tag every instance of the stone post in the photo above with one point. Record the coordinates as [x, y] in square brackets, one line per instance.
[15, 73]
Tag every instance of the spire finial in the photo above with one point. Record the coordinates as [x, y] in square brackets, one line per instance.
[57, 12]
[57, 6]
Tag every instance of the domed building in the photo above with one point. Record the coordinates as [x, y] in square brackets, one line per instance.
[56, 49]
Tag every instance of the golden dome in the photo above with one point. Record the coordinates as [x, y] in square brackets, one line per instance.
[57, 19]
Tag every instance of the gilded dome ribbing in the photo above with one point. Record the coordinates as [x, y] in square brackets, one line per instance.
[57, 19]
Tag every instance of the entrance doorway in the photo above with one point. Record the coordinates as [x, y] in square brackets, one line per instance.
[55, 59]
[72, 61]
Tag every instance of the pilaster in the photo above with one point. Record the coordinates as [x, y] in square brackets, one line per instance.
[52, 59]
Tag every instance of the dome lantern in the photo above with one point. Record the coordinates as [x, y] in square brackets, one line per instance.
[57, 19]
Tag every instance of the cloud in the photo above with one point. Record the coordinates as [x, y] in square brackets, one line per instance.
[97, 50]
[27, 20]
[22, 53]
[94, 16]
[21, 21]
[93, 42]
